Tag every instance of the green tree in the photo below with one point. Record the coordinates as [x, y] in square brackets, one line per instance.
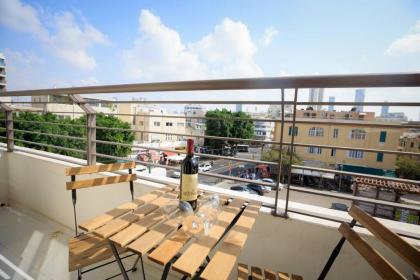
[408, 168]
[273, 156]
[225, 123]
[53, 124]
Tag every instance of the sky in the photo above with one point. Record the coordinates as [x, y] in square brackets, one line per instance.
[73, 43]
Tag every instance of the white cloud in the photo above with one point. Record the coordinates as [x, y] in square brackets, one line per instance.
[408, 43]
[159, 54]
[268, 35]
[228, 51]
[70, 41]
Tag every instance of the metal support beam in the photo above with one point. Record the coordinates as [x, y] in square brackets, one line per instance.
[9, 125]
[91, 127]
[291, 152]
[279, 175]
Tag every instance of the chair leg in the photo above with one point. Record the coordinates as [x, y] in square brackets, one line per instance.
[79, 274]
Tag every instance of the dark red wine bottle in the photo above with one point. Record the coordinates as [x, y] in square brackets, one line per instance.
[189, 176]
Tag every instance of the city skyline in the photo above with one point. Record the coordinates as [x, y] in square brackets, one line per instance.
[52, 44]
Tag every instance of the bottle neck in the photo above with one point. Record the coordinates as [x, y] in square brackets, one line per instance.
[190, 148]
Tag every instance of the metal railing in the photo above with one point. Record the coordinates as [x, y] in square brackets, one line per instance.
[283, 83]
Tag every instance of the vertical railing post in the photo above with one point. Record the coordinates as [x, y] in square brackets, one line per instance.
[9, 126]
[91, 128]
[275, 213]
[292, 142]
[91, 138]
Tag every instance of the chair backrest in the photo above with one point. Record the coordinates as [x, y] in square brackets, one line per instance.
[398, 245]
[74, 184]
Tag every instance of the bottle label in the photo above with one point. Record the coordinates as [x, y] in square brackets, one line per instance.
[189, 187]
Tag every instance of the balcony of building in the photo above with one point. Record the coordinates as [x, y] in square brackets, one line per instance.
[295, 233]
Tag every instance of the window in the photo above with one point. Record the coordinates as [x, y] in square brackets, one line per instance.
[295, 132]
[380, 157]
[355, 154]
[335, 133]
[315, 150]
[156, 123]
[168, 124]
[359, 134]
[382, 136]
[180, 124]
[316, 131]
[412, 145]
[333, 152]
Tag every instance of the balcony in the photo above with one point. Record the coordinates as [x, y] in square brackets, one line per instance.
[294, 233]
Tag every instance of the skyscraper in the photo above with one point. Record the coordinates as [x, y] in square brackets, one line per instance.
[3, 82]
[316, 95]
[359, 96]
[238, 107]
[331, 106]
[384, 109]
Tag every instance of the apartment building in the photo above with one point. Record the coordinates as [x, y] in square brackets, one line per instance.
[410, 142]
[3, 82]
[151, 118]
[344, 133]
[341, 115]
[57, 104]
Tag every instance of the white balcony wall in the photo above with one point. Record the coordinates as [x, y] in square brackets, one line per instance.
[299, 245]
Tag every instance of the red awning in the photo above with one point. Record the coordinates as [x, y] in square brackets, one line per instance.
[169, 154]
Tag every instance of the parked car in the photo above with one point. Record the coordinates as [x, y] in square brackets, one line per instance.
[175, 174]
[339, 206]
[270, 181]
[204, 167]
[244, 189]
[258, 188]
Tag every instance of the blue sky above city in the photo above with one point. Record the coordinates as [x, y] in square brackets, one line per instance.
[71, 43]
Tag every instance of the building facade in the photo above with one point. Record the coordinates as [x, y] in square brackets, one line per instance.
[146, 119]
[57, 107]
[331, 99]
[397, 117]
[410, 142]
[345, 134]
[274, 110]
[359, 96]
[342, 115]
[3, 82]
[316, 95]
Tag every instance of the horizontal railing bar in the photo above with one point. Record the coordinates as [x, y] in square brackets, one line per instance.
[183, 152]
[51, 146]
[209, 174]
[400, 180]
[50, 134]
[50, 112]
[355, 198]
[193, 117]
[287, 120]
[45, 154]
[256, 102]
[186, 135]
[293, 188]
[53, 123]
[39, 102]
[318, 81]
[354, 149]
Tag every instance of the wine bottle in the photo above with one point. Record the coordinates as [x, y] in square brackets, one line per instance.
[189, 176]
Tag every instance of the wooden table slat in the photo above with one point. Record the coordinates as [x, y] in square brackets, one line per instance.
[151, 238]
[100, 220]
[224, 260]
[196, 253]
[122, 222]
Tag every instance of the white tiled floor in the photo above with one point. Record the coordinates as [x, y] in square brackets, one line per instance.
[31, 246]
